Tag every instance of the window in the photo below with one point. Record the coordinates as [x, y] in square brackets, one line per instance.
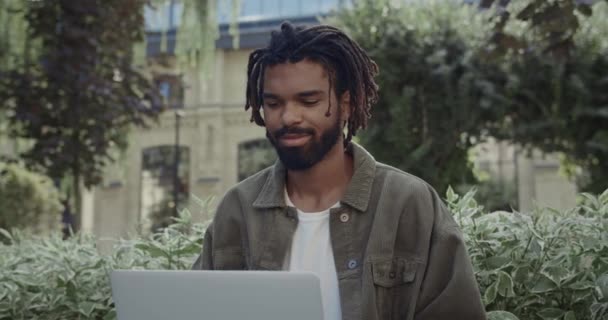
[254, 156]
[158, 181]
[172, 90]
[163, 16]
[256, 10]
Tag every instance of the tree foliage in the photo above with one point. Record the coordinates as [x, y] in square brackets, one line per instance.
[27, 200]
[432, 105]
[554, 84]
[76, 98]
[529, 72]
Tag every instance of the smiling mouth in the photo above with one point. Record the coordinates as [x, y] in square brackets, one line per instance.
[294, 140]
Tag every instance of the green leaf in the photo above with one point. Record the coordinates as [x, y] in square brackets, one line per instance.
[451, 195]
[191, 249]
[501, 315]
[71, 291]
[556, 274]
[110, 316]
[602, 283]
[6, 234]
[521, 274]
[86, 308]
[544, 284]
[604, 197]
[570, 316]
[490, 294]
[550, 313]
[536, 246]
[497, 262]
[581, 285]
[152, 250]
[505, 285]
[581, 295]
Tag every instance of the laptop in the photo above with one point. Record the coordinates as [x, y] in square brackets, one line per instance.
[216, 295]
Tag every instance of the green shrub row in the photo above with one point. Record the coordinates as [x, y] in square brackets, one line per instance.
[540, 265]
[545, 264]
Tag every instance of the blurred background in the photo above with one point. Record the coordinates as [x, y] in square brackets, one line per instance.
[120, 120]
[114, 114]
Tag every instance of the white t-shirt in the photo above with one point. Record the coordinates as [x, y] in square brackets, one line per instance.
[311, 250]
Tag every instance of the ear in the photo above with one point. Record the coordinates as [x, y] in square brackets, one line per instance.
[345, 106]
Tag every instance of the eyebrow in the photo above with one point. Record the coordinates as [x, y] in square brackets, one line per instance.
[303, 94]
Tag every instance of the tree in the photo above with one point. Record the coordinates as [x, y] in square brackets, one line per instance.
[452, 75]
[77, 96]
[433, 104]
[554, 58]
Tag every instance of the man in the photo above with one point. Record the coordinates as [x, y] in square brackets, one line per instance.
[381, 240]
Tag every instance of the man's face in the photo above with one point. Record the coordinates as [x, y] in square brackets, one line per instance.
[296, 98]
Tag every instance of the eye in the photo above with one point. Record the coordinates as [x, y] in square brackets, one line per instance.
[271, 104]
[310, 102]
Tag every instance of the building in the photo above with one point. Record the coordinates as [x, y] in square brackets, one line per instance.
[218, 144]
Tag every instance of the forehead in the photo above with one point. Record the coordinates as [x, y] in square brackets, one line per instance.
[291, 78]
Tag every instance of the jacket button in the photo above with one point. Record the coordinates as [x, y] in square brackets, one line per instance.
[344, 217]
[352, 263]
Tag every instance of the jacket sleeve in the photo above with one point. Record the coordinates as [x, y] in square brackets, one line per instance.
[205, 259]
[449, 289]
[223, 245]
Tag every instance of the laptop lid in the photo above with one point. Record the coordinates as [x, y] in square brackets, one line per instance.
[216, 295]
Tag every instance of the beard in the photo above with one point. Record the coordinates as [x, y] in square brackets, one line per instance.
[305, 157]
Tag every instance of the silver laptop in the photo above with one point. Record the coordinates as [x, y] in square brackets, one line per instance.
[216, 295]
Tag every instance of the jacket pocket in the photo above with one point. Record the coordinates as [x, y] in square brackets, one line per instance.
[393, 272]
[393, 278]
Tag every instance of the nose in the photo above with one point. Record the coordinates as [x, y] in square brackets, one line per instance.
[291, 115]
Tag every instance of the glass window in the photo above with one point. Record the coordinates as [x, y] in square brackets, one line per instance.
[329, 5]
[177, 11]
[163, 16]
[271, 8]
[254, 156]
[251, 10]
[311, 7]
[291, 8]
[155, 17]
[224, 11]
[157, 184]
[171, 89]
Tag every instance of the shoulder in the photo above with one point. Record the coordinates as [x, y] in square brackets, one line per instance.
[406, 184]
[415, 197]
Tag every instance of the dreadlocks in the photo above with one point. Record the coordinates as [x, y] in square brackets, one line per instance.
[350, 68]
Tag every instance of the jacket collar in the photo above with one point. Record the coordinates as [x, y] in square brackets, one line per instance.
[357, 193]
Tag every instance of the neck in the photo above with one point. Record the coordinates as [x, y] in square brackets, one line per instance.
[324, 184]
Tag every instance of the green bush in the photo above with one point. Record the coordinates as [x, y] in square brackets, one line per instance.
[542, 265]
[493, 194]
[49, 278]
[28, 200]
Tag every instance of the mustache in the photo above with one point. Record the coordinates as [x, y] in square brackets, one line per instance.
[292, 130]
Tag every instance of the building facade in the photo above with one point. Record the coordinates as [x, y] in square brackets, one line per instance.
[218, 145]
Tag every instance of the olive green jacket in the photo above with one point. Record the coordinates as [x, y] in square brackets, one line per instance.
[398, 252]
